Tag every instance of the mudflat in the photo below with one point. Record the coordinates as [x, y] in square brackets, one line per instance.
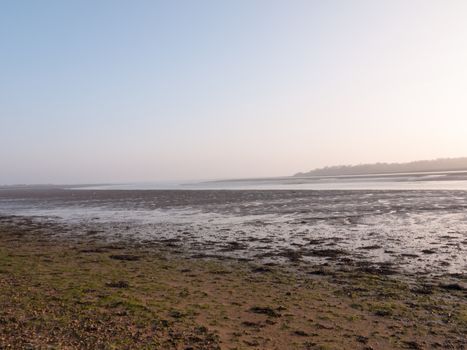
[416, 233]
[65, 291]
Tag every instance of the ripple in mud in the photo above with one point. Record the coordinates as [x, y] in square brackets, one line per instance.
[414, 231]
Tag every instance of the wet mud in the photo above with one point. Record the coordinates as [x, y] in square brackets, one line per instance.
[385, 232]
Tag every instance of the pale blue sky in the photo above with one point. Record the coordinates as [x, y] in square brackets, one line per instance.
[112, 91]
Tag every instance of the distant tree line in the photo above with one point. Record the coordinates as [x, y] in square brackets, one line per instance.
[442, 164]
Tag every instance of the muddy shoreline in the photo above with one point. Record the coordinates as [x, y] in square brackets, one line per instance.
[233, 269]
[62, 292]
[407, 232]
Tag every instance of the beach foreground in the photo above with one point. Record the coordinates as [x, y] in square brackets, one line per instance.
[84, 293]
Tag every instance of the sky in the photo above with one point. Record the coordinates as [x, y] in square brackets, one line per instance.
[129, 91]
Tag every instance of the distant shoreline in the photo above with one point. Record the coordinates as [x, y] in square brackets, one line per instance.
[425, 166]
[349, 176]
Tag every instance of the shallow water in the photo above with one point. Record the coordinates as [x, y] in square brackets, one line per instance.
[411, 231]
[451, 180]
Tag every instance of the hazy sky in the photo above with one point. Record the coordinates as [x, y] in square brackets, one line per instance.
[99, 91]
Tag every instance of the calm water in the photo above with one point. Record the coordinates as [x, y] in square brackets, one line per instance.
[416, 181]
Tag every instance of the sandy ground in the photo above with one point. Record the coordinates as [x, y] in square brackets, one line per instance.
[82, 293]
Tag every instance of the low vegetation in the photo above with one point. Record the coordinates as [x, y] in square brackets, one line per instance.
[81, 295]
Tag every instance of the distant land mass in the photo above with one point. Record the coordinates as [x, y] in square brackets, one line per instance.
[442, 164]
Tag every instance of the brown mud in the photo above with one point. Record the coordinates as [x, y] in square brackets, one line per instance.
[80, 292]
